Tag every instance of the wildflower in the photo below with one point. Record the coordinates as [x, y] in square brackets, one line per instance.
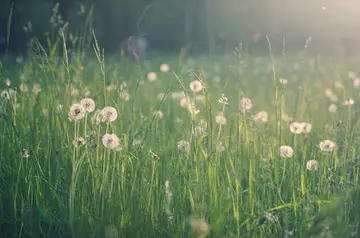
[23, 88]
[312, 165]
[283, 81]
[223, 99]
[220, 147]
[25, 153]
[327, 146]
[7, 82]
[36, 88]
[164, 68]
[151, 76]
[111, 141]
[332, 108]
[77, 112]
[99, 117]
[79, 142]
[196, 86]
[245, 104]
[349, 102]
[158, 114]
[124, 95]
[261, 116]
[88, 104]
[200, 226]
[110, 113]
[286, 151]
[296, 128]
[220, 119]
[183, 146]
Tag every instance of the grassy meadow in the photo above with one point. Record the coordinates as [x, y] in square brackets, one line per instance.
[237, 146]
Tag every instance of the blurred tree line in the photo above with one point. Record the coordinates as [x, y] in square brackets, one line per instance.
[169, 25]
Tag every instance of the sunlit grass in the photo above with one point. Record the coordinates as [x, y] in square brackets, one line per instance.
[230, 175]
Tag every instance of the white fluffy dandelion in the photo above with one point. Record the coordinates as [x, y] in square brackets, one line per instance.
[332, 108]
[183, 146]
[88, 104]
[296, 128]
[312, 165]
[220, 119]
[99, 117]
[151, 76]
[111, 113]
[111, 141]
[327, 145]
[245, 104]
[196, 86]
[164, 68]
[77, 112]
[286, 151]
[261, 116]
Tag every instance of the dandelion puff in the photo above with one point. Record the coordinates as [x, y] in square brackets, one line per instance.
[327, 146]
[99, 117]
[245, 104]
[356, 82]
[199, 131]
[332, 108]
[23, 88]
[184, 102]
[183, 146]
[349, 102]
[111, 113]
[286, 151]
[88, 104]
[312, 165]
[296, 128]
[77, 112]
[111, 141]
[158, 114]
[151, 76]
[261, 116]
[196, 86]
[220, 119]
[200, 226]
[164, 68]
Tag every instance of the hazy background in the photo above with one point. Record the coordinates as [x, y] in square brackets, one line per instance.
[200, 26]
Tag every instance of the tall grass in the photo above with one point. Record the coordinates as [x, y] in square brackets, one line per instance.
[248, 190]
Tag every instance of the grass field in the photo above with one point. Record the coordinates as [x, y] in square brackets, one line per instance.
[199, 150]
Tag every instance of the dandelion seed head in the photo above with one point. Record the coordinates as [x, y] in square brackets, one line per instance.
[349, 102]
[261, 116]
[151, 76]
[111, 113]
[99, 117]
[164, 68]
[77, 112]
[220, 119]
[158, 114]
[286, 151]
[312, 165]
[223, 100]
[111, 141]
[36, 88]
[356, 82]
[245, 104]
[23, 88]
[327, 146]
[88, 104]
[200, 226]
[220, 147]
[296, 128]
[332, 108]
[183, 146]
[196, 86]
[124, 95]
